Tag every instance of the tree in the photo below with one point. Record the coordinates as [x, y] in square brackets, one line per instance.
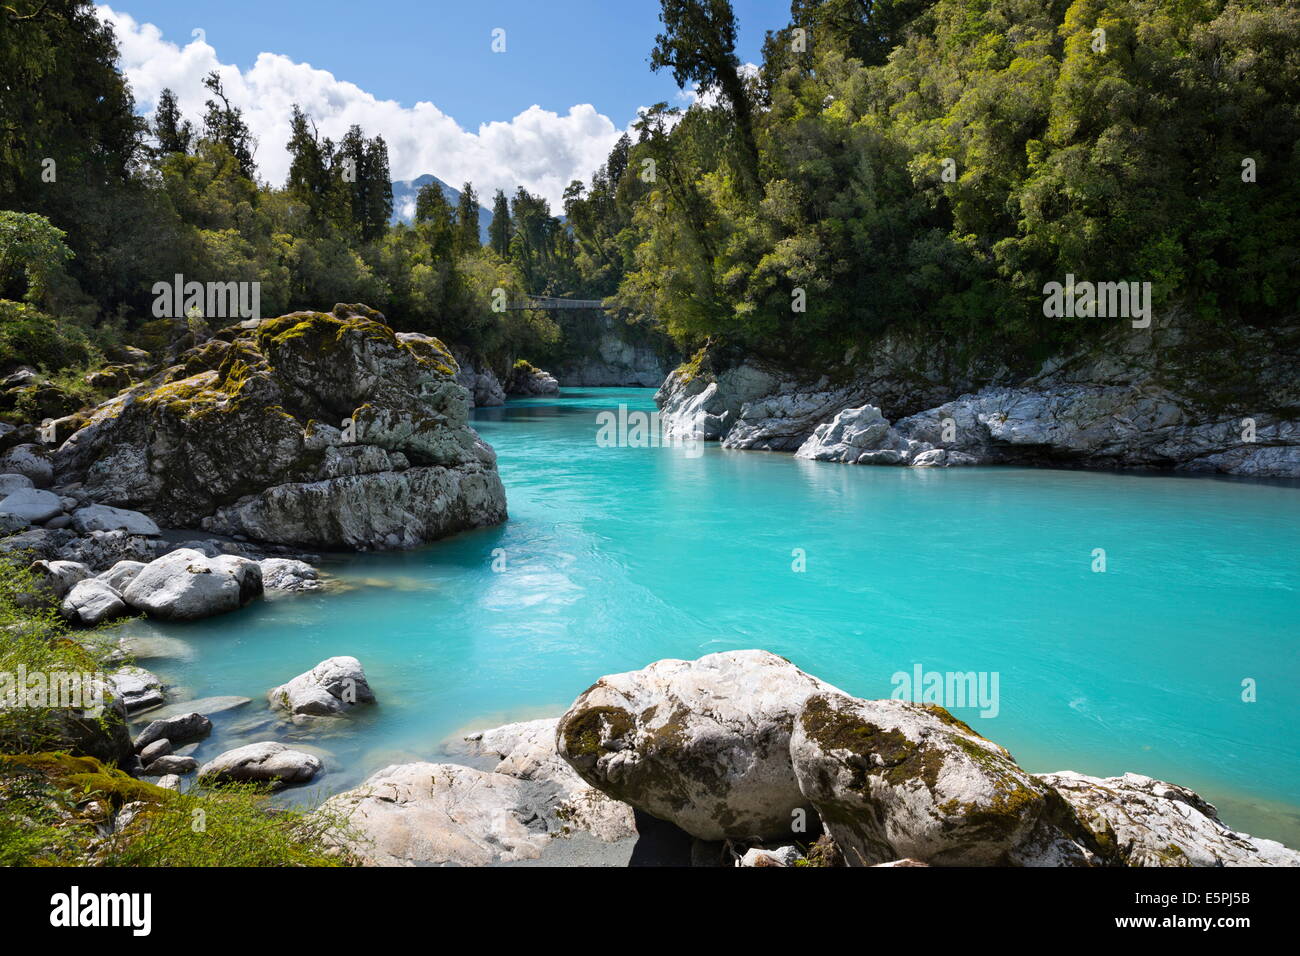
[172, 130]
[364, 184]
[467, 227]
[699, 44]
[309, 174]
[500, 230]
[436, 222]
[225, 124]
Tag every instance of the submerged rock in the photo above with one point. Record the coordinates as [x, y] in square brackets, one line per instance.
[263, 762]
[330, 689]
[313, 429]
[185, 584]
[703, 744]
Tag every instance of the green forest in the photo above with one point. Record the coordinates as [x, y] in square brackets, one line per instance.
[890, 164]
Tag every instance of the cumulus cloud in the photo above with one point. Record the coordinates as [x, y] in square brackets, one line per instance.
[539, 149]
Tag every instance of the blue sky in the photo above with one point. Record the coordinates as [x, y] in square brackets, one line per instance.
[559, 52]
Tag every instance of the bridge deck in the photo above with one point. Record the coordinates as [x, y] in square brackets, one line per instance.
[550, 302]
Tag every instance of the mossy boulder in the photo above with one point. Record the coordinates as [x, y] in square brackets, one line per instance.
[86, 777]
[894, 779]
[703, 744]
[313, 429]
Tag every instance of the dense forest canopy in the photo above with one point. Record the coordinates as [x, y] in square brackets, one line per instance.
[890, 163]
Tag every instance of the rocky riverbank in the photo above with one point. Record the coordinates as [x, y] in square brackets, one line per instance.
[1144, 399]
[742, 758]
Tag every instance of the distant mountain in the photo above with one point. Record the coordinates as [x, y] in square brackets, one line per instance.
[404, 202]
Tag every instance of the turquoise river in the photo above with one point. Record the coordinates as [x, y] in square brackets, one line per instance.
[616, 557]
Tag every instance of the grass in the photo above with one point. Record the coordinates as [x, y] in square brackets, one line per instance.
[59, 809]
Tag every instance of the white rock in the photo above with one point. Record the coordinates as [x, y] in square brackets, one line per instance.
[266, 761]
[185, 584]
[330, 689]
[527, 751]
[436, 814]
[285, 574]
[32, 504]
[703, 744]
[1153, 823]
[104, 518]
[60, 576]
[92, 602]
[121, 574]
[781, 856]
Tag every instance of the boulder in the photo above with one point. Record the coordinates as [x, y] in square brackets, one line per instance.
[101, 550]
[892, 779]
[104, 518]
[264, 762]
[14, 482]
[59, 577]
[526, 380]
[330, 689]
[151, 752]
[702, 744]
[32, 504]
[121, 574]
[1153, 823]
[205, 706]
[185, 584]
[781, 856]
[527, 751]
[13, 524]
[170, 781]
[169, 764]
[30, 460]
[180, 729]
[92, 602]
[312, 429]
[47, 543]
[136, 688]
[438, 814]
[285, 574]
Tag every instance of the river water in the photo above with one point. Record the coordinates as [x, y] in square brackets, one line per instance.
[616, 557]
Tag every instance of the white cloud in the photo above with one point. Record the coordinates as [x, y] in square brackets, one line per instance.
[539, 149]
